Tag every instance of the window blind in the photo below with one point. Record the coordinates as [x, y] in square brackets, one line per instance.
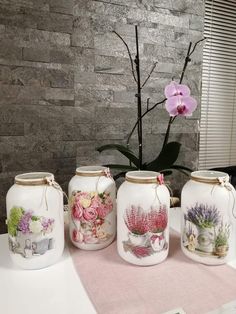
[217, 147]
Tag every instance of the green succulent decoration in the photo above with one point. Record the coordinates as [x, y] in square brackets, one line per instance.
[178, 103]
[14, 219]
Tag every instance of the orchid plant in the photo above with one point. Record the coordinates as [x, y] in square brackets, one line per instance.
[178, 102]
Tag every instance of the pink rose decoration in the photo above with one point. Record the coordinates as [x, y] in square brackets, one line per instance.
[104, 209]
[90, 214]
[108, 203]
[77, 211]
[77, 236]
[96, 202]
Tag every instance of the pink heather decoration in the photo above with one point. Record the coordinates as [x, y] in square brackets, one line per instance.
[174, 89]
[157, 219]
[136, 220]
[139, 221]
[141, 251]
[179, 102]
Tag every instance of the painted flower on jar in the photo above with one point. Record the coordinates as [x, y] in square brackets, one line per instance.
[84, 199]
[100, 233]
[90, 238]
[35, 226]
[77, 211]
[90, 214]
[105, 207]
[77, 236]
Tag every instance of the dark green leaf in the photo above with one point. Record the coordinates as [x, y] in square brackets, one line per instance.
[123, 150]
[180, 170]
[166, 172]
[166, 158]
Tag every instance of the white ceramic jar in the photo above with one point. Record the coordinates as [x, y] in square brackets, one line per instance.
[207, 203]
[143, 203]
[92, 202]
[35, 220]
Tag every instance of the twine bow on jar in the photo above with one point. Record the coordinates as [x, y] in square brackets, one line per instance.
[107, 172]
[224, 182]
[53, 183]
[160, 181]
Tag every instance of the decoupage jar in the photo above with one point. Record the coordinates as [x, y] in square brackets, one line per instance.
[35, 220]
[207, 203]
[92, 203]
[143, 203]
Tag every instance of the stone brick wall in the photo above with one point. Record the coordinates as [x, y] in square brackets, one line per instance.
[66, 85]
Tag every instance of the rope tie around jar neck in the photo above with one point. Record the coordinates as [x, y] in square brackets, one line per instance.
[220, 181]
[223, 181]
[159, 180]
[104, 173]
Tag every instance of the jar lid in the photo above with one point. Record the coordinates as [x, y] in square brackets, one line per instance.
[209, 176]
[142, 176]
[91, 171]
[33, 178]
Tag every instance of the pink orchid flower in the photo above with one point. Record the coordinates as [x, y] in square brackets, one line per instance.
[181, 105]
[174, 89]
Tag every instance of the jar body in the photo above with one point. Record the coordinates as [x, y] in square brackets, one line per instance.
[207, 222]
[92, 217]
[143, 223]
[35, 225]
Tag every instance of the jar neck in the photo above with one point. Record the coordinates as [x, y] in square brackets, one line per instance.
[141, 180]
[93, 171]
[210, 177]
[142, 177]
[34, 178]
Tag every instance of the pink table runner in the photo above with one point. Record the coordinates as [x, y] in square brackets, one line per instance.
[116, 287]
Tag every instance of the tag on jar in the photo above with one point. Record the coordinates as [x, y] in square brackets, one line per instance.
[176, 311]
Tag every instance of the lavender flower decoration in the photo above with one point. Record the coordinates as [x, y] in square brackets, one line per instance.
[24, 222]
[203, 216]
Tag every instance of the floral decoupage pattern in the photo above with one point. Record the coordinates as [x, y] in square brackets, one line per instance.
[29, 235]
[89, 211]
[205, 232]
[146, 235]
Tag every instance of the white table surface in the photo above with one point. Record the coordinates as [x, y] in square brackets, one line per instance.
[53, 290]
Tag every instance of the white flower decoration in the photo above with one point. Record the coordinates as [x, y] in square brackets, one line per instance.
[35, 226]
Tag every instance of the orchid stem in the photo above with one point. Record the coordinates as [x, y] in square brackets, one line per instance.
[139, 101]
